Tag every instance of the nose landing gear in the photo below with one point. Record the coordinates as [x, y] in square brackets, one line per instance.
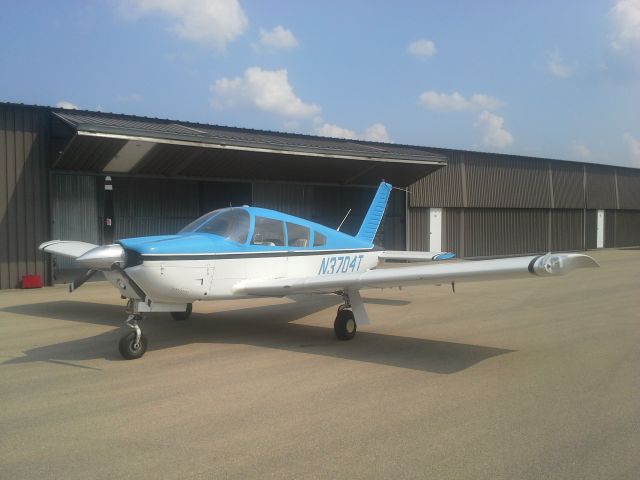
[133, 344]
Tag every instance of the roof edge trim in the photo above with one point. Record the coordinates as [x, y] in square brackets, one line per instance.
[225, 146]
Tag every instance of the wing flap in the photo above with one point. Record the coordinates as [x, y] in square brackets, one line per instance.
[67, 248]
[407, 256]
[464, 271]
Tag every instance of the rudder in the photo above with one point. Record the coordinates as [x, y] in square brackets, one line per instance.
[372, 220]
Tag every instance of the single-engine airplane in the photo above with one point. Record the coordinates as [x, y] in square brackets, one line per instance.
[248, 252]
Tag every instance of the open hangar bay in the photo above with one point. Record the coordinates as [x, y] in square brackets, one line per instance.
[532, 378]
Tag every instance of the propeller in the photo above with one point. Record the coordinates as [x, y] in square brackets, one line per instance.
[78, 282]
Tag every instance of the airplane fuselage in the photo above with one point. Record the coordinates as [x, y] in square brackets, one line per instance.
[173, 280]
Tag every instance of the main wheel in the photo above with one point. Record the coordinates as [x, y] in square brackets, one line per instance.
[345, 325]
[181, 316]
[128, 347]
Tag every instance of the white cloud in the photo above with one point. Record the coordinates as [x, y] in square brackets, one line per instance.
[493, 132]
[625, 17]
[66, 105]
[582, 151]
[266, 90]
[455, 101]
[633, 145]
[557, 68]
[334, 131]
[279, 38]
[375, 133]
[213, 23]
[422, 48]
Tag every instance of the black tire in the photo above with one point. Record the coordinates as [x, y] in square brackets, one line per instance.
[182, 316]
[345, 325]
[129, 350]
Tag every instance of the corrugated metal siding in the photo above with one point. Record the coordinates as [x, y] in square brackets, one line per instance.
[442, 188]
[152, 206]
[418, 219]
[511, 182]
[566, 230]
[490, 232]
[627, 228]
[601, 187]
[629, 188]
[452, 228]
[392, 232]
[592, 229]
[214, 195]
[289, 198]
[74, 213]
[568, 184]
[609, 228]
[24, 211]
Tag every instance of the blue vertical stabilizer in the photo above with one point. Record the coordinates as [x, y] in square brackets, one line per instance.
[372, 221]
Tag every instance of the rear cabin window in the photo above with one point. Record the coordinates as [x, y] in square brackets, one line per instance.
[297, 235]
[268, 232]
[319, 240]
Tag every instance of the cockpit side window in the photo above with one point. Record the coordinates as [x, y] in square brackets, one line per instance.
[231, 224]
[268, 232]
[319, 240]
[297, 235]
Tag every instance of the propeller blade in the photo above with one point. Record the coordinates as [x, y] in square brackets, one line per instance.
[78, 282]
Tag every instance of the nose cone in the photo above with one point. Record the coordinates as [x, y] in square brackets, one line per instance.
[103, 258]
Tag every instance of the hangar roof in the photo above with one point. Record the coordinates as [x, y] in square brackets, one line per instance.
[112, 143]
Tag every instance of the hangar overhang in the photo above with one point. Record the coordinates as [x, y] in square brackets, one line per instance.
[119, 144]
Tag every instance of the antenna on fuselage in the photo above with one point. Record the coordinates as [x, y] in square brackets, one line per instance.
[343, 220]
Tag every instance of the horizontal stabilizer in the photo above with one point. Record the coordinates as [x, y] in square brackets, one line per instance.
[399, 255]
[67, 248]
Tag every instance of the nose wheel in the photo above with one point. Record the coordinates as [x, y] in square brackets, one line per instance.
[345, 324]
[133, 344]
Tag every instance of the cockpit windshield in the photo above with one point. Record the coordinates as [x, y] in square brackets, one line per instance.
[229, 223]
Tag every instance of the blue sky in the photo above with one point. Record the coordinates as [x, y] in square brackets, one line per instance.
[553, 79]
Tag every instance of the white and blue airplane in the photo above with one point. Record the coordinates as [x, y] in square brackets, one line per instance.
[249, 252]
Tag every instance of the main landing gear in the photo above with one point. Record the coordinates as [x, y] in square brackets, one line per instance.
[345, 325]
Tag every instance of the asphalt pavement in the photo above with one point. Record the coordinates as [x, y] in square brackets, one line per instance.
[524, 379]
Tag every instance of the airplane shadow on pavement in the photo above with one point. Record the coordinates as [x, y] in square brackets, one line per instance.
[264, 326]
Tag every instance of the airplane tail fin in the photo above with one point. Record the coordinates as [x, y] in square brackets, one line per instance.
[372, 220]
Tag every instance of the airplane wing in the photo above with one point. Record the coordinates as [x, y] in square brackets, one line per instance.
[408, 256]
[464, 271]
[67, 248]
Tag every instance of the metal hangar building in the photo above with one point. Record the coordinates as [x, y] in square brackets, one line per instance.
[165, 173]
